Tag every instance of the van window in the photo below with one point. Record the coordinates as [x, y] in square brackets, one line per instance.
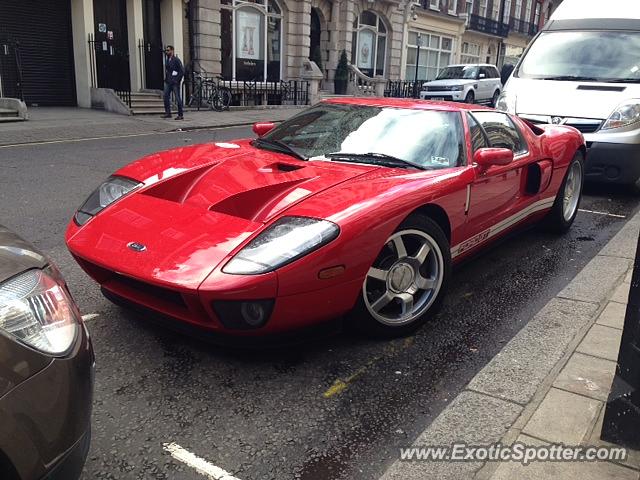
[501, 131]
[605, 56]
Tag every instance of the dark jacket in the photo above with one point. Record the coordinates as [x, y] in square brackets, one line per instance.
[173, 65]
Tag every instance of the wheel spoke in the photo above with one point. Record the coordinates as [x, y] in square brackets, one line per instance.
[378, 274]
[401, 250]
[382, 302]
[406, 303]
[423, 253]
[425, 283]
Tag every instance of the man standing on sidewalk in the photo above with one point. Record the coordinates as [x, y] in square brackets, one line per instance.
[174, 72]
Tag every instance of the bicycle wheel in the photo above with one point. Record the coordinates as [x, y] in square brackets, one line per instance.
[225, 94]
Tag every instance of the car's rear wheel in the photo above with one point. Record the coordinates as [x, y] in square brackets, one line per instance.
[565, 207]
[406, 283]
[494, 100]
[470, 98]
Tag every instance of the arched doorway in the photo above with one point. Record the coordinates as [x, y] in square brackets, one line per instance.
[315, 47]
[369, 43]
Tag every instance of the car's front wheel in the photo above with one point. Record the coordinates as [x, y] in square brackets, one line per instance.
[407, 281]
[470, 98]
[494, 100]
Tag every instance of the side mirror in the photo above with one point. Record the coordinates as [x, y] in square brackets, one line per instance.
[262, 128]
[486, 157]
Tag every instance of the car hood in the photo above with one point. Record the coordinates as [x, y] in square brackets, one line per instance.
[449, 83]
[197, 205]
[16, 255]
[569, 99]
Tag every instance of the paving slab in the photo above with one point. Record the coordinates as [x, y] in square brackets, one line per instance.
[595, 282]
[563, 417]
[613, 315]
[588, 376]
[621, 294]
[561, 471]
[492, 418]
[601, 341]
[517, 371]
[624, 243]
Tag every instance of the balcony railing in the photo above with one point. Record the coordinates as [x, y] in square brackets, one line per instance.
[523, 27]
[488, 26]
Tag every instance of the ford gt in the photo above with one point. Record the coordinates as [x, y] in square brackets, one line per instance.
[354, 209]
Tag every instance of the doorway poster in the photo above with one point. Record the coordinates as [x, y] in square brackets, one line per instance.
[365, 49]
[249, 34]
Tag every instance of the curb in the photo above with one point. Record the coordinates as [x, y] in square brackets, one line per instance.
[499, 401]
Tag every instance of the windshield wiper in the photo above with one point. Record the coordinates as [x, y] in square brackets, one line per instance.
[278, 146]
[570, 78]
[374, 158]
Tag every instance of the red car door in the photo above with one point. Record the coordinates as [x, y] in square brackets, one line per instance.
[495, 195]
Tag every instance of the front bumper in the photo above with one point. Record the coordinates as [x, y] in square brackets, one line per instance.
[617, 163]
[449, 95]
[45, 420]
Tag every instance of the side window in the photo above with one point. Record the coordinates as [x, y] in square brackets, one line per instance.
[478, 138]
[494, 72]
[486, 72]
[501, 131]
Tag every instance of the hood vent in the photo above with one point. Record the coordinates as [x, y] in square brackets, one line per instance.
[602, 88]
[280, 167]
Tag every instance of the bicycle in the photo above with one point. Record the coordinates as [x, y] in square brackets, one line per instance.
[209, 92]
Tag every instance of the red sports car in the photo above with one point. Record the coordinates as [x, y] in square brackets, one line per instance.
[354, 206]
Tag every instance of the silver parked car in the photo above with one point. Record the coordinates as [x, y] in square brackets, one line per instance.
[477, 83]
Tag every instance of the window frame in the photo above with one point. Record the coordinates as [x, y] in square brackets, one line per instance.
[377, 35]
[517, 129]
[454, 10]
[426, 40]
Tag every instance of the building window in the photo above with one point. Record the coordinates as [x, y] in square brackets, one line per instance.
[507, 11]
[483, 8]
[527, 13]
[251, 33]
[470, 53]
[434, 4]
[436, 53]
[495, 10]
[536, 18]
[518, 11]
[369, 44]
[453, 7]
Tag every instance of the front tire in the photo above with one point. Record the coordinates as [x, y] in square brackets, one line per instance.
[565, 207]
[470, 98]
[494, 100]
[406, 283]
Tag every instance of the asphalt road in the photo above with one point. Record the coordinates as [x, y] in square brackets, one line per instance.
[269, 414]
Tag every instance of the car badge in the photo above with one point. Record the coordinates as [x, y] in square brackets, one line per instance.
[136, 247]
[556, 120]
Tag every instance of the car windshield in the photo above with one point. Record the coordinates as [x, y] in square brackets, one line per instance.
[425, 138]
[468, 72]
[584, 56]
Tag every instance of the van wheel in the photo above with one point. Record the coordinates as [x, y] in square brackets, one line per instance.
[470, 98]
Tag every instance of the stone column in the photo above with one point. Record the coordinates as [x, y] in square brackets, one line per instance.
[135, 30]
[171, 13]
[82, 25]
[297, 39]
[207, 37]
[334, 43]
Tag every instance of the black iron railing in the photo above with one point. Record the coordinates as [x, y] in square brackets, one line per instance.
[403, 88]
[246, 93]
[11, 69]
[488, 26]
[523, 27]
[125, 96]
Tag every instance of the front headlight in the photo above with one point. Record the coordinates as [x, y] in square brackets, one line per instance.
[506, 102]
[38, 311]
[457, 88]
[624, 115]
[283, 242]
[111, 190]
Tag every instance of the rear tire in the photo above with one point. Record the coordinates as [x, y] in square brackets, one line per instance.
[406, 283]
[565, 207]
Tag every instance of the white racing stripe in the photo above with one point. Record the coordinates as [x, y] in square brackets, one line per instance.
[606, 214]
[89, 316]
[494, 230]
[200, 465]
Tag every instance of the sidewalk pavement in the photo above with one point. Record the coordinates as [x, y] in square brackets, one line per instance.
[48, 124]
[548, 385]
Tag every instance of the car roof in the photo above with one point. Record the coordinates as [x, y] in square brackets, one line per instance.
[471, 65]
[409, 103]
[596, 9]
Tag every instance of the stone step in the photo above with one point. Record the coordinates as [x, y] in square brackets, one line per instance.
[8, 113]
[11, 119]
[147, 103]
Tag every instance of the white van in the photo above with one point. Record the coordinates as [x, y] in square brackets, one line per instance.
[583, 70]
